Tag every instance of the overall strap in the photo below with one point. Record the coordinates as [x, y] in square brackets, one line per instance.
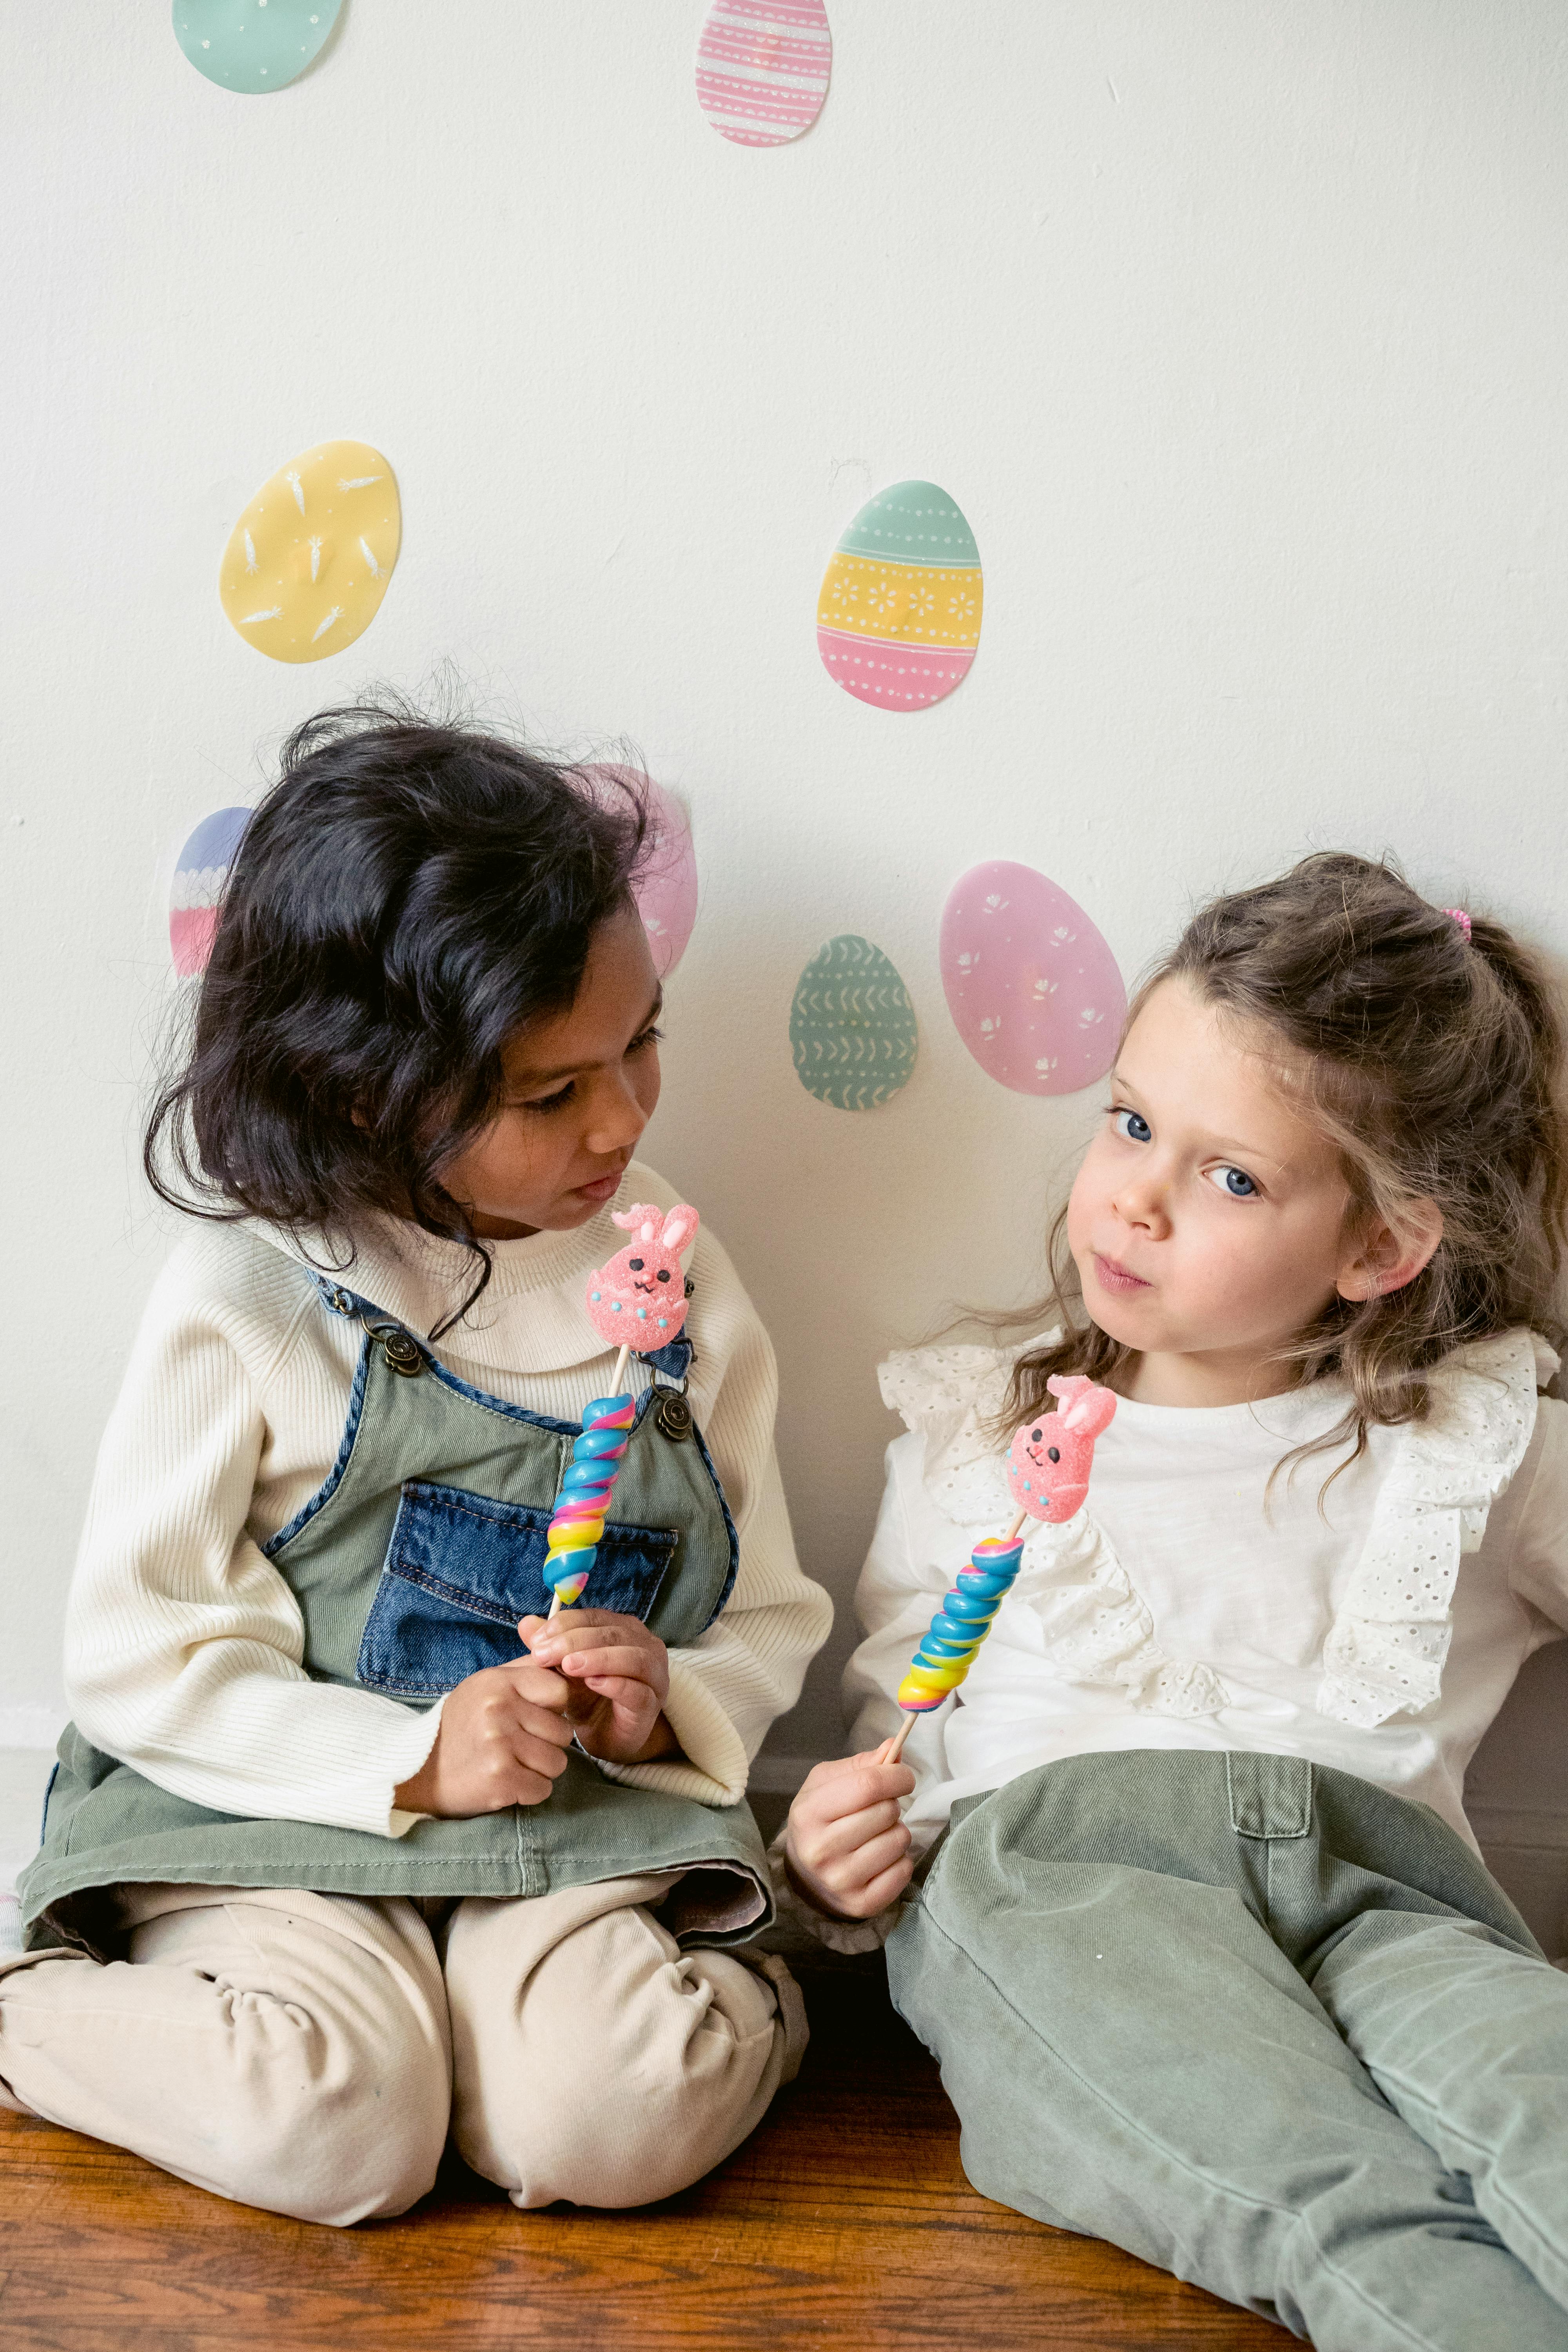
[669, 1366]
[404, 1352]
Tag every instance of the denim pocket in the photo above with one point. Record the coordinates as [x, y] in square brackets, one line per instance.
[460, 1571]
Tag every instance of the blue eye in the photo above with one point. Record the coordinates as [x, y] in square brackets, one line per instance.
[1133, 1127]
[1234, 1182]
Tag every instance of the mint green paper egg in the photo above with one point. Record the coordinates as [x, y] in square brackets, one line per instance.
[851, 1026]
[253, 46]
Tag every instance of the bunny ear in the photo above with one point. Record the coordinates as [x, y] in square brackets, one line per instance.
[1089, 1412]
[679, 1226]
[1066, 1386]
[636, 1220]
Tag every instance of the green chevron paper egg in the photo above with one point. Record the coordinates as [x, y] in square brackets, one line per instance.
[851, 1026]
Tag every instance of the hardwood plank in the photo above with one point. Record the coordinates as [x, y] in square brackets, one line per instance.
[844, 2223]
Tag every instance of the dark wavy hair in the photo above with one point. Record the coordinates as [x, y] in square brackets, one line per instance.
[1434, 1062]
[406, 898]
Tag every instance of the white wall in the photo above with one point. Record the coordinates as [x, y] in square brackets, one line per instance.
[1238, 329]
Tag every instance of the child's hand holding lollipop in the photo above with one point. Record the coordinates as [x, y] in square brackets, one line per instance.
[618, 1672]
[847, 1847]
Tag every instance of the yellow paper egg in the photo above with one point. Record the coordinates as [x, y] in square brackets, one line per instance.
[308, 563]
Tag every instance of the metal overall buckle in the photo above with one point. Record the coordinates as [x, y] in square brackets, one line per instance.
[402, 1353]
[673, 1415]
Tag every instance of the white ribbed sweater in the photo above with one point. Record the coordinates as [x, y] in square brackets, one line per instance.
[183, 1644]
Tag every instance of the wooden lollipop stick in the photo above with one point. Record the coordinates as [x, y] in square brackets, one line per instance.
[891, 1749]
[894, 1747]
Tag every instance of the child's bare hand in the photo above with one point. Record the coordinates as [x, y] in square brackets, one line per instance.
[502, 1741]
[845, 1846]
[618, 1677]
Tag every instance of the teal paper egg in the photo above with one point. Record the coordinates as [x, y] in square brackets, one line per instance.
[851, 1026]
[253, 46]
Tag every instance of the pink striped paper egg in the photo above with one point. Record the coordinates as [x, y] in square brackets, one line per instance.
[763, 68]
[198, 886]
[1033, 988]
[665, 885]
[665, 889]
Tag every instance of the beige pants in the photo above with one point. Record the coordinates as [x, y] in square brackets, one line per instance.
[309, 2053]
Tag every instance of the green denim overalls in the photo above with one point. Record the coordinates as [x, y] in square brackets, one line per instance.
[412, 1565]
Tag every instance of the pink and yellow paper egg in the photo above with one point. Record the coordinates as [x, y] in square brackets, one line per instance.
[898, 619]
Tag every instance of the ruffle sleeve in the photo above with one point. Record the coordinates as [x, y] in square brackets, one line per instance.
[951, 1397]
[1386, 1647]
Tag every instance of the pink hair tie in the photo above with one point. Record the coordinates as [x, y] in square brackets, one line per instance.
[1463, 920]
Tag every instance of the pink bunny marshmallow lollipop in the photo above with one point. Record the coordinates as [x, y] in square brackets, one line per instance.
[1048, 1464]
[638, 1300]
[1051, 1457]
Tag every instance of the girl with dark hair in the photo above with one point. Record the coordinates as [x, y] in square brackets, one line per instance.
[1202, 1937]
[347, 1845]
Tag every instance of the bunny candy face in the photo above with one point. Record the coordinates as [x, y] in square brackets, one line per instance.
[1051, 1457]
[638, 1299]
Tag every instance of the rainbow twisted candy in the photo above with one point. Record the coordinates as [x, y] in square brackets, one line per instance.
[573, 1536]
[961, 1624]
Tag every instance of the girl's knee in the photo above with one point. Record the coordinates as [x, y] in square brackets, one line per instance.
[624, 2110]
[362, 2152]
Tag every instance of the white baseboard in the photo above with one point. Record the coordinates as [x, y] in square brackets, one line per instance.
[780, 1776]
[31, 1727]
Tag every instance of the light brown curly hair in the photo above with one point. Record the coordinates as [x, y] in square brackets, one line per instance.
[1434, 1062]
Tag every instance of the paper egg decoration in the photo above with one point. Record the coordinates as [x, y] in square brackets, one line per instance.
[665, 890]
[306, 566]
[199, 885]
[763, 68]
[898, 619]
[1033, 988]
[851, 1026]
[253, 46]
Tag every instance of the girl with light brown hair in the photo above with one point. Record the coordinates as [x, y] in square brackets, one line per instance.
[1202, 1936]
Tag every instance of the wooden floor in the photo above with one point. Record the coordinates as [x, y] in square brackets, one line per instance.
[844, 2223]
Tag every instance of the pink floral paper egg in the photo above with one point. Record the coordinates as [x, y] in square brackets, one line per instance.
[198, 886]
[763, 68]
[1033, 988]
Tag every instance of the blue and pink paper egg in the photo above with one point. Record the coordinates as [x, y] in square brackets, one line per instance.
[198, 886]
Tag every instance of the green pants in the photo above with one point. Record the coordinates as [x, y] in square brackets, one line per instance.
[1264, 2025]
